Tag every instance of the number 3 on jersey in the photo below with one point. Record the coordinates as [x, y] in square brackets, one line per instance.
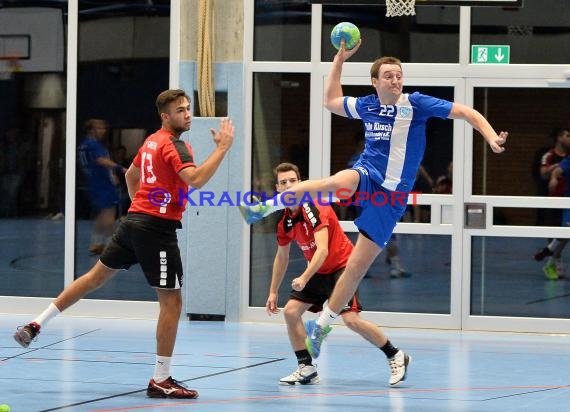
[147, 175]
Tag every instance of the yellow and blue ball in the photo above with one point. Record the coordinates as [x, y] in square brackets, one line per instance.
[345, 31]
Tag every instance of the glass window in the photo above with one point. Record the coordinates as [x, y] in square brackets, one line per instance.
[530, 115]
[523, 287]
[431, 36]
[521, 216]
[280, 134]
[119, 52]
[538, 32]
[282, 30]
[32, 149]
[423, 285]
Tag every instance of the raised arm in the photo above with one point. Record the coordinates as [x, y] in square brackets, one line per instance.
[479, 123]
[334, 99]
[198, 176]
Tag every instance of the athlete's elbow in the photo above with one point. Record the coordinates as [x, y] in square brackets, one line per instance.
[195, 183]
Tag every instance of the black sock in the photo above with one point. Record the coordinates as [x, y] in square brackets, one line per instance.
[389, 350]
[303, 357]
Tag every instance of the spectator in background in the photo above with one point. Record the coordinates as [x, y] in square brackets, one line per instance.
[97, 168]
[552, 172]
[444, 183]
[14, 152]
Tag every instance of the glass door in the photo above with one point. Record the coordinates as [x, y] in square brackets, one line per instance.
[511, 215]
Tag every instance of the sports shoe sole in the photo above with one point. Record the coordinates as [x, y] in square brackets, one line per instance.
[314, 381]
[21, 341]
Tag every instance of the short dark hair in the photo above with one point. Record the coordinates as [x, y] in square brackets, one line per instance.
[286, 167]
[168, 96]
[375, 69]
[90, 124]
[558, 132]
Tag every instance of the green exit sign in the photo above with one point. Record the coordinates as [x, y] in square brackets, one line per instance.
[484, 54]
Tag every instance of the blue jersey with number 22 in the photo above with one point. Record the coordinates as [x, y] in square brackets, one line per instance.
[395, 136]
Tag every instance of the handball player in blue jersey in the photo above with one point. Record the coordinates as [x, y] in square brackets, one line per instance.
[97, 167]
[394, 124]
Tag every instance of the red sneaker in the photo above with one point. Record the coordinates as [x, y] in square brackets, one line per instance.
[26, 334]
[170, 388]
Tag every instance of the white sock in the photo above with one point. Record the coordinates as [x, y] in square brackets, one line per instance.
[51, 312]
[162, 368]
[395, 261]
[327, 317]
[553, 245]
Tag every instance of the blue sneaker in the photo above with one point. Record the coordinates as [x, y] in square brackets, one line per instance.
[253, 213]
[315, 337]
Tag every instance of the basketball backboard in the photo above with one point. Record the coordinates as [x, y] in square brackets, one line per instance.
[503, 3]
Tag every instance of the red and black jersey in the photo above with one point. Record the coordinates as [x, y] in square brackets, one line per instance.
[162, 191]
[551, 158]
[300, 226]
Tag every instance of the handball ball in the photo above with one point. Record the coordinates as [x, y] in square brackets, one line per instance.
[347, 31]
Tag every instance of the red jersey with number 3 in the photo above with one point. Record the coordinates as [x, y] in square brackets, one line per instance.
[301, 226]
[162, 191]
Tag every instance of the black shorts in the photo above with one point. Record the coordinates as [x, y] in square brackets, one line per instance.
[318, 290]
[150, 241]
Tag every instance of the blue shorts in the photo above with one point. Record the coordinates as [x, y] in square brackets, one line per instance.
[102, 197]
[565, 217]
[380, 212]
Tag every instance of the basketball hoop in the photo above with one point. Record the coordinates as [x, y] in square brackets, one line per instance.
[395, 8]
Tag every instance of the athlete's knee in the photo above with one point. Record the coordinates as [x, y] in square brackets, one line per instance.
[352, 321]
[290, 313]
[351, 324]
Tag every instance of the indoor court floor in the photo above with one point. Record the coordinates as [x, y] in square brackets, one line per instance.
[88, 364]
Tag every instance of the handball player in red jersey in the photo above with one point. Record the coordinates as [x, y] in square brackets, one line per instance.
[163, 165]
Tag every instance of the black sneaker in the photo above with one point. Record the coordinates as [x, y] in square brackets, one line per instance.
[542, 253]
[26, 334]
[170, 388]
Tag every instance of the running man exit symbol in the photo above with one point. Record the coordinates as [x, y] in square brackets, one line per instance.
[484, 54]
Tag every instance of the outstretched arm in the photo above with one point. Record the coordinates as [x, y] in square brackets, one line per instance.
[479, 123]
[334, 99]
